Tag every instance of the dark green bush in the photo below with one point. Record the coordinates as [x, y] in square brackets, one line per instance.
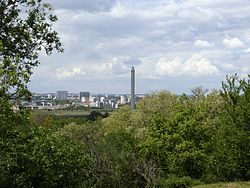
[34, 157]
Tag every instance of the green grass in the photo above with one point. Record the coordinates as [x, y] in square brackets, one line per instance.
[226, 185]
[62, 112]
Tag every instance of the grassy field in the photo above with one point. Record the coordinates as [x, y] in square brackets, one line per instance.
[65, 112]
[226, 185]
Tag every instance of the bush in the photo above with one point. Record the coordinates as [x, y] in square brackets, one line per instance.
[34, 157]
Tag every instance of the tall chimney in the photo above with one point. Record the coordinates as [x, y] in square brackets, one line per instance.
[133, 88]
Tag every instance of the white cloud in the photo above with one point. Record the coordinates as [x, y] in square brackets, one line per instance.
[64, 74]
[247, 50]
[95, 31]
[202, 44]
[229, 67]
[85, 70]
[196, 65]
[233, 43]
[199, 66]
[172, 68]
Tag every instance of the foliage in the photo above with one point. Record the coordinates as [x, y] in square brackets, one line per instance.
[94, 115]
[230, 159]
[179, 140]
[169, 141]
[25, 30]
[114, 153]
[34, 157]
[31, 156]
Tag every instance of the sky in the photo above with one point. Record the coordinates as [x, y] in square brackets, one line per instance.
[174, 45]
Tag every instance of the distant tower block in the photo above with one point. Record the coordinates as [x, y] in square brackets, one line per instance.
[84, 96]
[123, 99]
[61, 95]
[132, 88]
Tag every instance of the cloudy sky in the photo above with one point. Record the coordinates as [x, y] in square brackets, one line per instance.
[174, 45]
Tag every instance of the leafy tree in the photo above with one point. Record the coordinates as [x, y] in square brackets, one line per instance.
[31, 156]
[94, 115]
[116, 155]
[25, 31]
[161, 103]
[230, 159]
[179, 131]
[198, 92]
[35, 157]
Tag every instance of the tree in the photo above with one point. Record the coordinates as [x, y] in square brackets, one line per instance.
[25, 31]
[198, 92]
[179, 131]
[31, 156]
[230, 159]
[38, 157]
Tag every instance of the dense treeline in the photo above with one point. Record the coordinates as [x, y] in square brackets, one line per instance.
[169, 141]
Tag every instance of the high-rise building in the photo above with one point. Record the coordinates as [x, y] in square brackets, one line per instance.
[84, 96]
[123, 99]
[61, 95]
[132, 88]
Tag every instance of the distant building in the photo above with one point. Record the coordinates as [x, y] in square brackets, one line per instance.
[92, 99]
[62, 95]
[49, 96]
[123, 99]
[84, 96]
[102, 99]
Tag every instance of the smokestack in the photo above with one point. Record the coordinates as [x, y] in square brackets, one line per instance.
[132, 88]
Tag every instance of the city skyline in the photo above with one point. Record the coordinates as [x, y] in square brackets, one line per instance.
[174, 45]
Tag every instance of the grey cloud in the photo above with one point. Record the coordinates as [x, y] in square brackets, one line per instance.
[97, 31]
[87, 5]
[119, 68]
[132, 61]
